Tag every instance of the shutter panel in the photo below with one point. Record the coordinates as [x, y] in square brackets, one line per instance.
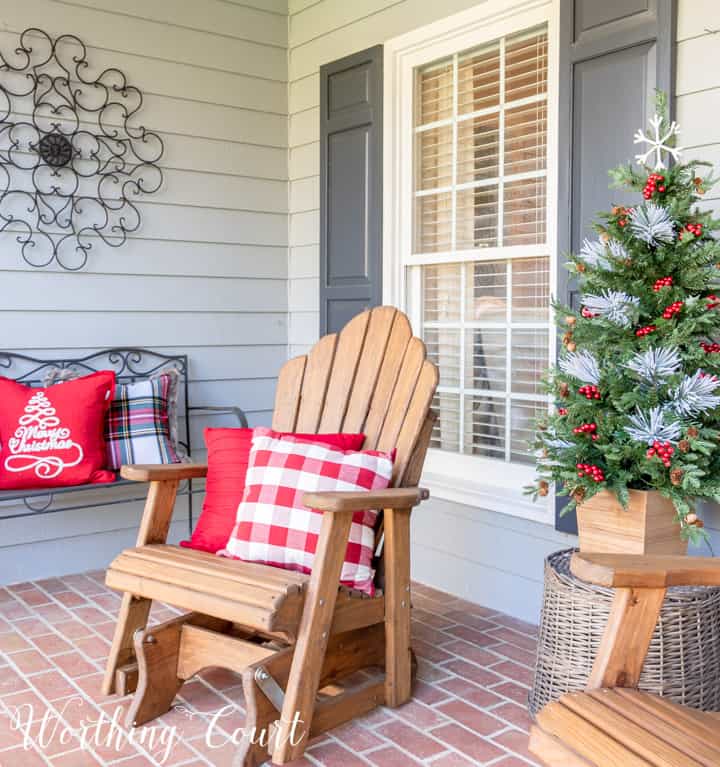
[613, 55]
[350, 187]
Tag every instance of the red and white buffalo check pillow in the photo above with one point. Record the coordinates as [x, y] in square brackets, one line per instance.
[274, 528]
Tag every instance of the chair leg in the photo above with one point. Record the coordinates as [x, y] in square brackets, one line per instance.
[313, 636]
[398, 659]
[133, 616]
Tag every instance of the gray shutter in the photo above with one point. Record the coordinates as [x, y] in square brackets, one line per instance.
[350, 187]
[613, 54]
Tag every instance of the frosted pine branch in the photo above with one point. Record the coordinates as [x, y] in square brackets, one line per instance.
[594, 253]
[581, 365]
[656, 365]
[649, 426]
[614, 305]
[652, 224]
[694, 395]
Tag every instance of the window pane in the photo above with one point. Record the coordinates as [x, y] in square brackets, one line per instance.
[531, 289]
[435, 92]
[529, 358]
[525, 212]
[485, 359]
[526, 138]
[485, 429]
[434, 222]
[435, 156]
[526, 66]
[479, 79]
[441, 292]
[486, 288]
[478, 148]
[477, 211]
[443, 348]
[522, 428]
[446, 431]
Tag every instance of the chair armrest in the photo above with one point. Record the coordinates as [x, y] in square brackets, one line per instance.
[238, 412]
[141, 472]
[645, 572]
[392, 498]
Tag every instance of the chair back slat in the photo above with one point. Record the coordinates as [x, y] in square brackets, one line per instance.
[287, 394]
[414, 420]
[347, 356]
[366, 376]
[315, 383]
[372, 377]
[402, 395]
[387, 378]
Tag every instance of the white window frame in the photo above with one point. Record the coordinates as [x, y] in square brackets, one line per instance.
[473, 480]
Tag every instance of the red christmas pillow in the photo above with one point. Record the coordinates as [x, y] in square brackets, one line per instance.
[274, 527]
[54, 437]
[228, 455]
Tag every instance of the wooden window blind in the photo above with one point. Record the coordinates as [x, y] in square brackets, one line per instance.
[479, 267]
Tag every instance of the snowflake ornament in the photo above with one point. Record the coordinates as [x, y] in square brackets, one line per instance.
[658, 143]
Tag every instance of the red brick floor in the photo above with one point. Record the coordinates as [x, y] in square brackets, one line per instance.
[468, 706]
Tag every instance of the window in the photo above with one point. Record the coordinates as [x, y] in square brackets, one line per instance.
[480, 214]
[469, 159]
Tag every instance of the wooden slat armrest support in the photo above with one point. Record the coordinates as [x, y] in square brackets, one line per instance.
[645, 572]
[147, 472]
[392, 498]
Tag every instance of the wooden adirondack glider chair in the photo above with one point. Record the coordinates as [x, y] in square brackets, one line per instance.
[612, 724]
[294, 637]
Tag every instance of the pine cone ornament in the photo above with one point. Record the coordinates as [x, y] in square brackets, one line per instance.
[578, 494]
[543, 488]
[683, 446]
[564, 390]
[676, 476]
[692, 432]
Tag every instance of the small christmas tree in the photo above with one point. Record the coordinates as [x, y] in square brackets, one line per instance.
[636, 386]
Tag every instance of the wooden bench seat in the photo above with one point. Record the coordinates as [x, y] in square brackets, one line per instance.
[625, 728]
[266, 598]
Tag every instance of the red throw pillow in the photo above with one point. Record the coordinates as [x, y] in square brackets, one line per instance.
[228, 455]
[53, 437]
[273, 525]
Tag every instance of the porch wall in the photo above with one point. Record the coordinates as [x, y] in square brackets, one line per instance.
[492, 558]
[207, 272]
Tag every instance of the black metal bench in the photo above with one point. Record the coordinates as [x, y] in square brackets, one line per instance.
[129, 364]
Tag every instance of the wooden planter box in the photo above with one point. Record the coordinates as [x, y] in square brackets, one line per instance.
[648, 525]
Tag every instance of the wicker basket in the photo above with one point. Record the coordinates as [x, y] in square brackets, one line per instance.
[683, 663]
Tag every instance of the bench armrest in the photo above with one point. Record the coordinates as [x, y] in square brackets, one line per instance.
[141, 472]
[391, 498]
[645, 572]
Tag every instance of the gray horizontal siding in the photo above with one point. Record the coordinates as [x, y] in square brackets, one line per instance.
[206, 273]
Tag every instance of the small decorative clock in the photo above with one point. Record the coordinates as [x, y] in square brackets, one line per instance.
[74, 157]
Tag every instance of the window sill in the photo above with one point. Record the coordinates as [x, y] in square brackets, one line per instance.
[500, 490]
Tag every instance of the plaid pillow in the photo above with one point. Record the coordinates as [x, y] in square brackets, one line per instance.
[274, 528]
[137, 428]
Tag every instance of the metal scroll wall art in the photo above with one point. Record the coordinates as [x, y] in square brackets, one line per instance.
[73, 155]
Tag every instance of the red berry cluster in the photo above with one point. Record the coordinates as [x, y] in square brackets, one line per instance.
[587, 428]
[590, 391]
[592, 471]
[562, 411]
[640, 332]
[663, 282]
[663, 450]
[670, 311]
[655, 183]
[696, 229]
[587, 313]
[712, 302]
[710, 348]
